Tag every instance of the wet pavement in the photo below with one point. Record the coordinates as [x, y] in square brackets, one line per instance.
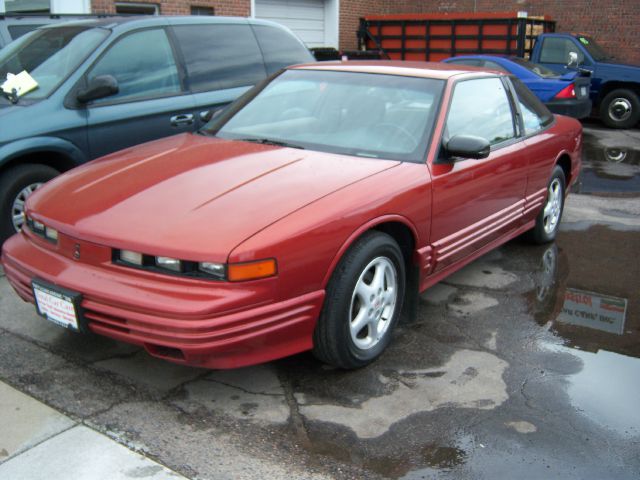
[525, 365]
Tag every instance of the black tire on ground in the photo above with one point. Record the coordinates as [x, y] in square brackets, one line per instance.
[545, 230]
[12, 181]
[620, 108]
[332, 338]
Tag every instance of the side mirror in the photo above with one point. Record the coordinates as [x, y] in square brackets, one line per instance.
[468, 146]
[573, 60]
[99, 87]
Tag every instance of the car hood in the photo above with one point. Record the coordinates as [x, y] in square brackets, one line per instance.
[191, 196]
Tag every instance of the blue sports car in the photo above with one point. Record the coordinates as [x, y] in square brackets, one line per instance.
[566, 94]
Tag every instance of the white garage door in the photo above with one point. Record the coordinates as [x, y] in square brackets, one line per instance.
[305, 17]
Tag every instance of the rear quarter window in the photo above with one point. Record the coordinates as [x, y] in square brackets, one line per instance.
[534, 114]
[280, 48]
[220, 56]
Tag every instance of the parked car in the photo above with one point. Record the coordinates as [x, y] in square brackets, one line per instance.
[304, 217]
[615, 85]
[108, 84]
[567, 94]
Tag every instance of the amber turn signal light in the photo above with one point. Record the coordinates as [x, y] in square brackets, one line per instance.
[238, 272]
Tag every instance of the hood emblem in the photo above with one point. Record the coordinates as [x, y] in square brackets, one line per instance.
[76, 251]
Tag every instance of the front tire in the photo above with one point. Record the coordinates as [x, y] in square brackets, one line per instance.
[363, 303]
[620, 108]
[548, 220]
[16, 185]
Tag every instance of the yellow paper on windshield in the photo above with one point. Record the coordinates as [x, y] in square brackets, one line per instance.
[22, 83]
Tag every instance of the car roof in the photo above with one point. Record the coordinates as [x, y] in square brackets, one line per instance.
[441, 71]
[129, 22]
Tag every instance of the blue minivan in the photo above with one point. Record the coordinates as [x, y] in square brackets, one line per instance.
[108, 84]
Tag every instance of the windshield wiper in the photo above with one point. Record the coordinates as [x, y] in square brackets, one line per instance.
[12, 97]
[268, 141]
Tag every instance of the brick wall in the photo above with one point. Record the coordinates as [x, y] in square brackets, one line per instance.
[613, 24]
[237, 8]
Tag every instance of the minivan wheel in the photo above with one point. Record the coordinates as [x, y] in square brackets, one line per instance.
[363, 302]
[620, 108]
[548, 220]
[16, 185]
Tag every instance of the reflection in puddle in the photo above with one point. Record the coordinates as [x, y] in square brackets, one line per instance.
[607, 390]
[601, 329]
[609, 170]
[593, 311]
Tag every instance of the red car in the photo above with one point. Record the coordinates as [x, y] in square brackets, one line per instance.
[304, 217]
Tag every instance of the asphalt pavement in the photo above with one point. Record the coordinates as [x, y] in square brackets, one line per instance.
[525, 365]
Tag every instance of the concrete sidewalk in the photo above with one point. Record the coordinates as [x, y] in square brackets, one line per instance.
[37, 442]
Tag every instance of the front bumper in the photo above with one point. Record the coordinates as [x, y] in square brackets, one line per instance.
[183, 326]
[571, 107]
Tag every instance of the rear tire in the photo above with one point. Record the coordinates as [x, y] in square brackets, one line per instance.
[16, 184]
[362, 304]
[620, 108]
[548, 220]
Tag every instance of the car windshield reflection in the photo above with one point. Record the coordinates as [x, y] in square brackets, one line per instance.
[369, 115]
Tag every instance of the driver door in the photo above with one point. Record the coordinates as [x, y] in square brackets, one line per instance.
[477, 201]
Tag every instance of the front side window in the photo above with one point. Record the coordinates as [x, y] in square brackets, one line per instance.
[539, 70]
[534, 114]
[481, 107]
[50, 55]
[556, 50]
[361, 114]
[220, 56]
[142, 64]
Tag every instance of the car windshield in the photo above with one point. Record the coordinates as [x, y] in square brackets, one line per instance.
[539, 70]
[363, 114]
[596, 51]
[49, 55]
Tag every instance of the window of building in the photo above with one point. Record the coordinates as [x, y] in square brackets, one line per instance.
[197, 10]
[137, 8]
[220, 56]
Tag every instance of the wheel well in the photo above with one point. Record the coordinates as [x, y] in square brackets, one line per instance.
[565, 163]
[610, 86]
[56, 160]
[402, 235]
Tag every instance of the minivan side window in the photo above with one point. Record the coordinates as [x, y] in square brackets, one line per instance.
[280, 49]
[481, 107]
[220, 56]
[142, 63]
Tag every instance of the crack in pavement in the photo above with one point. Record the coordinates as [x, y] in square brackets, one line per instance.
[230, 385]
[296, 419]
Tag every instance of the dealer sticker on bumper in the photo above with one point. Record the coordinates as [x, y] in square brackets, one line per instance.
[56, 305]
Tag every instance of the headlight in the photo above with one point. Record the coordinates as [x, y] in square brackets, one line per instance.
[51, 234]
[128, 256]
[216, 270]
[38, 227]
[169, 263]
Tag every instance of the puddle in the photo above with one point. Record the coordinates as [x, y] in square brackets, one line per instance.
[605, 169]
[587, 295]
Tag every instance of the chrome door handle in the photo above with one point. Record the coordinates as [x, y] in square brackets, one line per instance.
[181, 120]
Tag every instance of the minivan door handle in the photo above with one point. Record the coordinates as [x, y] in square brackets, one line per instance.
[182, 120]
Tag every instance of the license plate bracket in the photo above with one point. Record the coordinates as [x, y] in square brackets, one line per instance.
[59, 305]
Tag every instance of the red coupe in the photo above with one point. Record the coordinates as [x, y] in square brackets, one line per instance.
[306, 216]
